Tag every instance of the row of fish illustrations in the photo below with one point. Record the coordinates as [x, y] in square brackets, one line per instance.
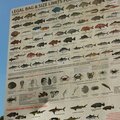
[57, 110]
[64, 16]
[66, 40]
[70, 31]
[69, 7]
[62, 59]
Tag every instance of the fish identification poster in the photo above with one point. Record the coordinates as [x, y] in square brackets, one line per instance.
[64, 61]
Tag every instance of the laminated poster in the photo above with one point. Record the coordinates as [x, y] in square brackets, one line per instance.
[64, 61]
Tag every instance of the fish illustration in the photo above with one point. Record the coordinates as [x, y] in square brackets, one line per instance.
[15, 48]
[116, 53]
[68, 23]
[93, 11]
[72, 118]
[117, 58]
[28, 38]
[92, 117]
[106, 51]
[71, 31]
[100, 25]
[12, 114]
[90, 45]
[114, 31]
[20, 117]
[48, 34]
[84, 37]
[103, 84]
[86, 28]
[36, 39]
[84, 4]
[57, 25]
[49, 61]
[17, 18]
[31, 55]
[54, 118]
[75, 14]
[15, 42]
[36, 63]
[43, 94]
[111, 6]
[25, 65]
[95, 88]
[78, 76]
[13, 67]
[37, 112]
[16, 26]
[43, 12]
[108, 107]
[71, 6]
[64, 49]
[101, 34]
[29, 15]
[57, 9]
[42, 44]
[27, 23]
[37, 28]
[76, 57]
[104, 9]
[44, 28]
[116, 41]
[97, 18]
[28, 47]
[92, 54]
[96, 2]
[39, 21]
[15, 33]
[26, 31]
[115, 23]
[96, 105]
[64, 78]
[77, 48]
[11, 99]
[50, 52]
[69, 39]
[12, 59]
[53, 42]
[114, 71]
[103, 43]
[78, 107]
[82, 21]
[19, 55]
[59, 33]
[38, 54]
[51, 19]
[63, 16]
[56, 110]
[62, 59]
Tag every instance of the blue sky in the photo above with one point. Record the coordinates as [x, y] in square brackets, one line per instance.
[5, 7]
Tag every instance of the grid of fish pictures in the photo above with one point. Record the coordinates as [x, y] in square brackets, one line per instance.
[64, 61]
